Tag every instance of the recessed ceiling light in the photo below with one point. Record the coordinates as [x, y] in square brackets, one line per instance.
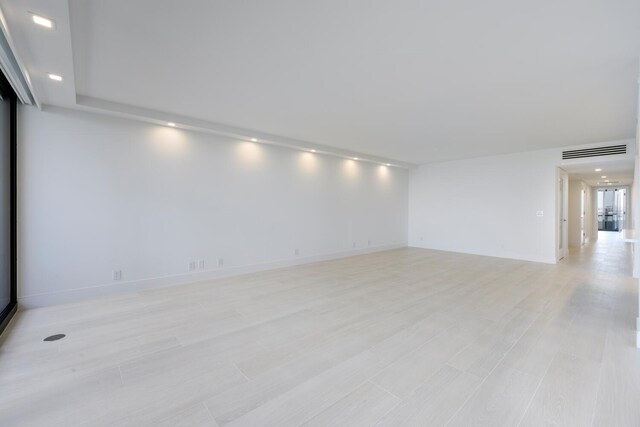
[313, 151]
[388, 164]
[171, 124]
[355, 158]
[598, 170]
[55, 77]
[41, 20]
[254, 140]
[603, 176]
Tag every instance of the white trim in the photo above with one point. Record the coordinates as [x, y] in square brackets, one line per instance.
[13, 67]
[92, 292]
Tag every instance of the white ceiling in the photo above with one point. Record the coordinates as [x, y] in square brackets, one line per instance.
[617, 172]
[411, 80]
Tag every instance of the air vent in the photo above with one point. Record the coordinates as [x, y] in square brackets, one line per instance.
[610, 150]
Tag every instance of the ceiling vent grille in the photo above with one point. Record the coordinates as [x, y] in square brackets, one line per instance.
[610, 150]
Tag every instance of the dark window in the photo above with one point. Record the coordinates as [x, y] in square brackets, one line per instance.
[8, 202]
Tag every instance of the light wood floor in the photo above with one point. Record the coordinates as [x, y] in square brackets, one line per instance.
[403, 337]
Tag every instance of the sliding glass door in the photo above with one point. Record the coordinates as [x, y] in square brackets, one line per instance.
[8, 290]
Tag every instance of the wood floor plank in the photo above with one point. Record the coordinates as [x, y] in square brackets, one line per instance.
[435, 401]
[501, 400]
[567, 395]
[315, 395]
[362, 407]
[619, 388]
[482, 355]
[536, 349]
[407, 373]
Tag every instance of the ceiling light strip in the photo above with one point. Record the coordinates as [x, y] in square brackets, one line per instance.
[161, 118]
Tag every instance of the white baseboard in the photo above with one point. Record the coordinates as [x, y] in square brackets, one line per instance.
[505, 255]
[83, 294]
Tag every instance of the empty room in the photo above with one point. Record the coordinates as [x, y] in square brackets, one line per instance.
[319, 213]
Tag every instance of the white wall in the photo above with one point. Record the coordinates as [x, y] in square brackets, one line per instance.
[99, 194]
[486, 206]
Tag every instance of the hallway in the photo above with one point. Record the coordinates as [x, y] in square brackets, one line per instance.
[606, 255]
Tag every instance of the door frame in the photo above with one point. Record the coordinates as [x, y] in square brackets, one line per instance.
[562, 207]
[6, 313]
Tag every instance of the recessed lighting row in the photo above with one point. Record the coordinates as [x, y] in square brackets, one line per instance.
[50, 24]
[312, 150]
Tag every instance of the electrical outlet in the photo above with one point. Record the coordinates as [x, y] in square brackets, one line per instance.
[296, 251]
[368, 242]
[220, 262]
[192, 265]
[354, 244]
[201, 264]
[117, 274]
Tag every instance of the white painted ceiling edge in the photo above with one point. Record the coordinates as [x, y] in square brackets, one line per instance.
[43, 51]
[162, 118]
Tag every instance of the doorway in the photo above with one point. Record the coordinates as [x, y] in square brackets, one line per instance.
[612, 209]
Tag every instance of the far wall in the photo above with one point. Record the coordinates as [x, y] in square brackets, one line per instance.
[486, 206]
[503, 206]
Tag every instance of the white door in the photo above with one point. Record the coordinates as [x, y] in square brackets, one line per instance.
[583, 214]
[562, 210]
